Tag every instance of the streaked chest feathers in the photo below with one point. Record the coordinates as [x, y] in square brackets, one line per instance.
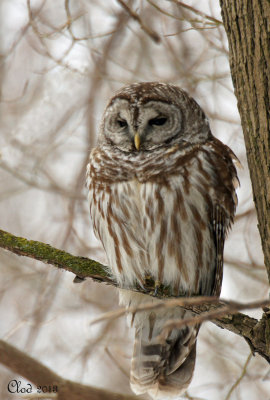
[157, 227]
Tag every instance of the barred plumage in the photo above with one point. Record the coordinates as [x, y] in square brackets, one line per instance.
[162, 196]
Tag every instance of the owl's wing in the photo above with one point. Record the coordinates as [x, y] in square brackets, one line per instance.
[224, 205]
[219, 232]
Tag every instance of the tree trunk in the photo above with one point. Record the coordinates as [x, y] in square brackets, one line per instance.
[247, 24]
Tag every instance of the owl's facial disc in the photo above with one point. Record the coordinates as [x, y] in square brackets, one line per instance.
[117, 128]
[159, 123]
[138, 127]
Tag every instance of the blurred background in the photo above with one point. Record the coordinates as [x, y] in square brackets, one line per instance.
[60, 63]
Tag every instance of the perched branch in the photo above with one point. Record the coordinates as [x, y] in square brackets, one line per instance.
[81, 266]
[223, 314]
[32, 370]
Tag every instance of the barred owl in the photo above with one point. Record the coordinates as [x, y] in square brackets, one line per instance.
[162, 197]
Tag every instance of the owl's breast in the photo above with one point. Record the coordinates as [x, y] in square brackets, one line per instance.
[157, 223]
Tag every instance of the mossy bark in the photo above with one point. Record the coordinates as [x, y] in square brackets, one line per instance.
[256, 333]
[81, 266]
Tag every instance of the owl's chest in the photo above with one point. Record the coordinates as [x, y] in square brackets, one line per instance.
[153, 226]
[146, 209]
[132, 202]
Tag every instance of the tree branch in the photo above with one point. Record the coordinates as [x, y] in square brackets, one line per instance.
[223, 314]
[198, 12]
[80, 266]
[32, 370]
[153, 35]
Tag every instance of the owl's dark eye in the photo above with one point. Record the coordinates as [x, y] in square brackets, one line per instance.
[122, 123]
[157, 121]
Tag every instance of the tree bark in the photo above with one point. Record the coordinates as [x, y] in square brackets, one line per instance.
[247, 24]
[255, 332]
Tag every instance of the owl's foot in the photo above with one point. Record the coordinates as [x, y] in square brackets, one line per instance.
[145, 282]
[157, 286]
[148, 282]
[78, 279]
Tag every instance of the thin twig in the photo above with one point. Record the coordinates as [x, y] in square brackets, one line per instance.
[196, 11]
[153, 35]
[41, 37]
[236, 383]
[224, 307]
[190, 20]
[231, 308]
[190, 301]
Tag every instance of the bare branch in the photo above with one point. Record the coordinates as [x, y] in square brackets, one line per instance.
[58, 61]
[32, 370]
[184, 302]
[222, 307]
[244, 371]
[255, 332]
[81, 266]
[198, 12]
[194, 10]
[230, 308]
[153, 35]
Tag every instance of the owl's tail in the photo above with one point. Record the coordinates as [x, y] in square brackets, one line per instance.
[163, 368]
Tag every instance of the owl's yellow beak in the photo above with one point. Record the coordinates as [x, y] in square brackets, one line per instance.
[137, 141]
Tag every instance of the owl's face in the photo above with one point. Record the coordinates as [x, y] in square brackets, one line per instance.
[141, 128]
[146, 116]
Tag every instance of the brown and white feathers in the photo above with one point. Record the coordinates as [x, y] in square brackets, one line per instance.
[162, 196]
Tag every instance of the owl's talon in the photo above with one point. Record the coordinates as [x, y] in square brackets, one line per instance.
[143, 288]
[146, 281]
[143, 283]
[78, 279]
[157, 286]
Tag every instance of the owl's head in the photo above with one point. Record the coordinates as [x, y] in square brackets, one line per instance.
[148, 115]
